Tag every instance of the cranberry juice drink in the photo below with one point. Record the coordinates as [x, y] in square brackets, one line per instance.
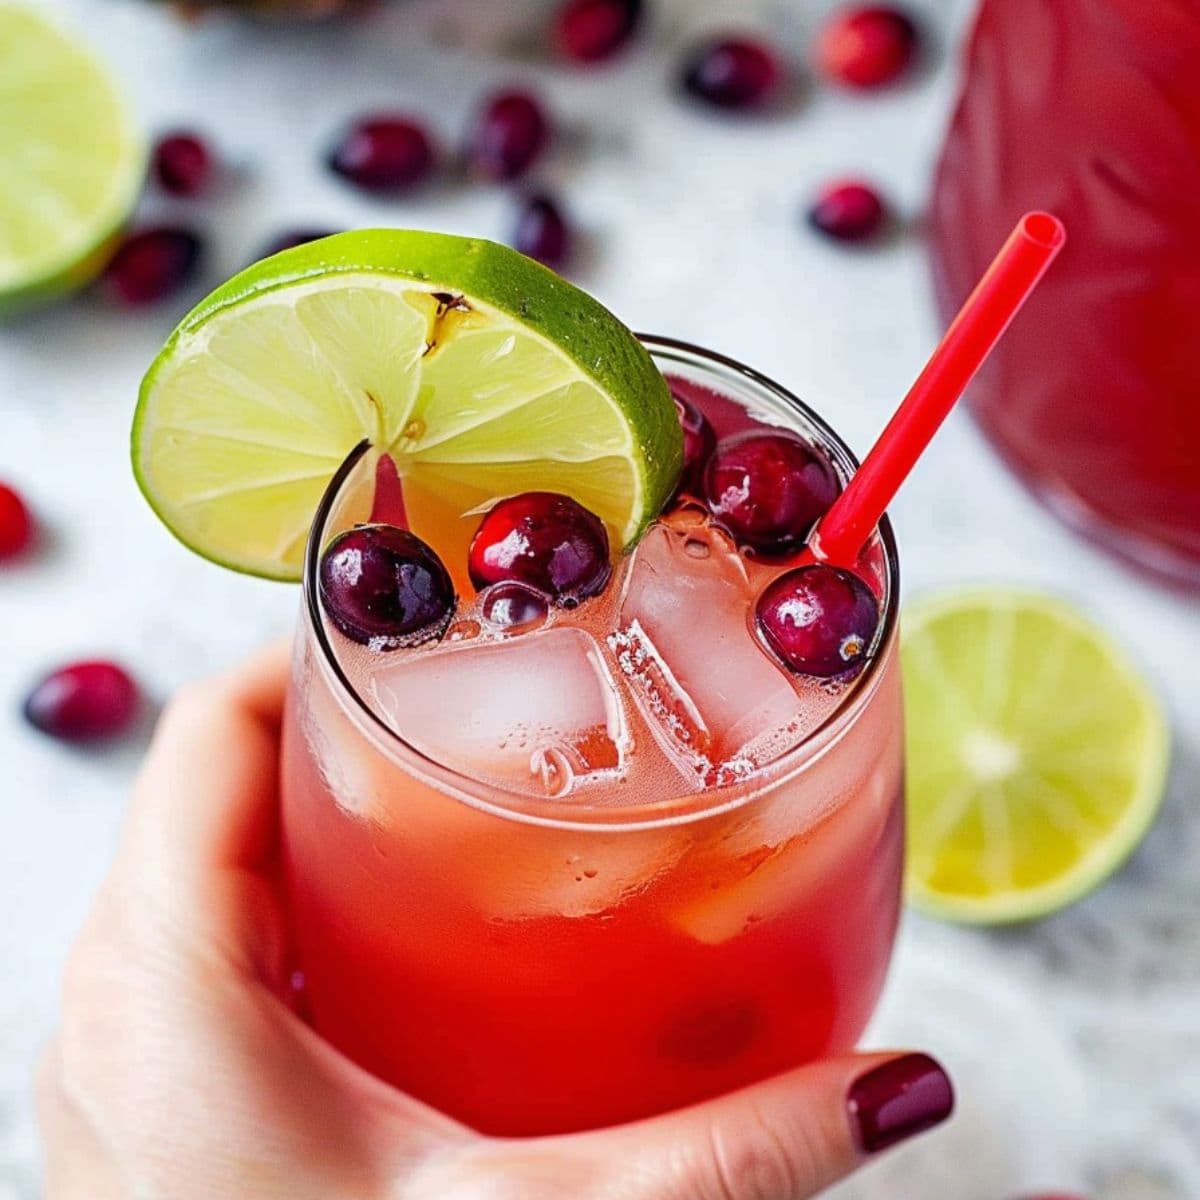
[1091, 110]
[573, 864]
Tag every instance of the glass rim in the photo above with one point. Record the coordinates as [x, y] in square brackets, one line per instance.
[687, 806]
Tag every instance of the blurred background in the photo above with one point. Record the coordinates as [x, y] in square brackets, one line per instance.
[1075, 1042]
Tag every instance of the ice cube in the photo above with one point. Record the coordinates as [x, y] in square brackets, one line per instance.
[538, 713]
[686, 644]
[775, 856]
[583, 872]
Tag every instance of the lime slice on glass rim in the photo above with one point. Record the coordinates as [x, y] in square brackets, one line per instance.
[1037, 755]
[480, 372]
[73, 161]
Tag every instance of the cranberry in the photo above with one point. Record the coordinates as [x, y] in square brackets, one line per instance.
[151, 264]
[713, 1033]
[699, 441]
[16, 523]
[294, 238]
[511, 129]
[864, 47]
[544, 540]
[183, 163]
[514, 606]
[383, 153]
[848, 211]
[591, 30]
[83, 701]
[732, 73]
[768, 489]
[818, 619]
[384, 587]
[542, 232]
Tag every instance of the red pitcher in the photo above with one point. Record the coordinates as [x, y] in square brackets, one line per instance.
[1091, 109]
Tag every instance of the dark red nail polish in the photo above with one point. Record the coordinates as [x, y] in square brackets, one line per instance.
[899, 1099]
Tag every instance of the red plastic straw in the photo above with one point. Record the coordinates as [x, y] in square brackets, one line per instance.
[984, 317]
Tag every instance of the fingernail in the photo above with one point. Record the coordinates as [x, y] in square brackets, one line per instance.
[899, 1099]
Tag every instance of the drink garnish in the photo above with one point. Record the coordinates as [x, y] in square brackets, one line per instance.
[479, 372]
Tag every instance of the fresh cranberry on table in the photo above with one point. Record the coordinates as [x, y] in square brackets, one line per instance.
[865, 47]
[544, 540]
[16, 523]
[820, 620]
[769, 489]
[592, 30]
[849, 211]
[383, 586]
[732, 73]
[182, 163]
[383, 152]
[699, 441]
[83, 702]
[151, 264]
[542, 232]
[293, 238]
[511, 130]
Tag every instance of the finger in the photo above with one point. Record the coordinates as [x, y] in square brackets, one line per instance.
[207, 796]
[785, 1139]
[74, 1163]
[259, 684]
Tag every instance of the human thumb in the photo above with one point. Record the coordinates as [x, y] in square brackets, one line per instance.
[785, 1139]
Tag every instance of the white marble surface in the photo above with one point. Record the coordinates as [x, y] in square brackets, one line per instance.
[1076, 1043]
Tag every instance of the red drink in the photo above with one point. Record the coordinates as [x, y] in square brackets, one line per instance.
[1092, 111]
[612, 864]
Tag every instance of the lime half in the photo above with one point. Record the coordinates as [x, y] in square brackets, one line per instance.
[479, 371]
[73, 161]
[1037, 755]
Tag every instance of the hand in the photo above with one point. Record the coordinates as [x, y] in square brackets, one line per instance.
[179, 1072]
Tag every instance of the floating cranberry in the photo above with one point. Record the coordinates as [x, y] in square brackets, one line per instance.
[544, 540]
[866, 47]
[699, 441]
[850, 212]
[83, 702]
[182, 163]
[820, 620]
[510, 131]
[514, 607]
[769, 489]
[711, 1033]
[383, 153]
[294, 238]
[732, 73]
[384, 587]
[542, 232]
[592, 30]
[16, 523]
[151, 264]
